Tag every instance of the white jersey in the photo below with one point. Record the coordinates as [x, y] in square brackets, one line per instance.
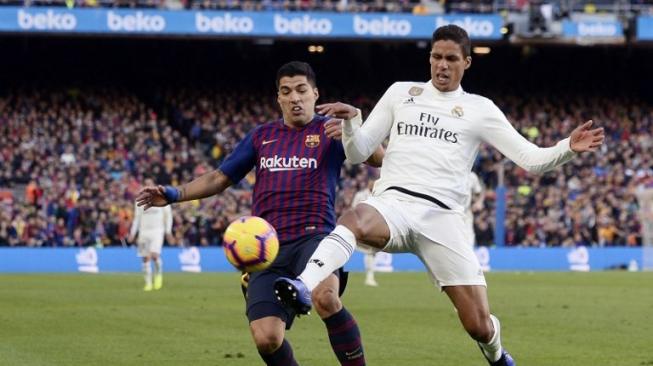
[434, 140]
[154, 219]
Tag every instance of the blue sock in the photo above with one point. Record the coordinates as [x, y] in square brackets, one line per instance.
[345, 338]
[283, 356]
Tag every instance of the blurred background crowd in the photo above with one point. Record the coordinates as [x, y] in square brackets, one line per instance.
[72, 160]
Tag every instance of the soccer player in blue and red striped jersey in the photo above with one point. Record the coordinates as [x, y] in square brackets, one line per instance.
[297, 161]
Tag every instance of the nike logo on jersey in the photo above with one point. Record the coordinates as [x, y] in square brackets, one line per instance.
[265, 142]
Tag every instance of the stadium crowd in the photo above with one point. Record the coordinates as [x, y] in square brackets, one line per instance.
[74, 160]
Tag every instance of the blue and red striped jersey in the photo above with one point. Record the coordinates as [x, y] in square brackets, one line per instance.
[297, 171]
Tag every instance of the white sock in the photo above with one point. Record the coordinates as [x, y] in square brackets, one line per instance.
[492, 349]
[158, 266]
[369, 267]
[332, 253]
[147, 272]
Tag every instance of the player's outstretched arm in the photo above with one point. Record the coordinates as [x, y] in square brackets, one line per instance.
[498, 132]
[207, 185]
[360, 143]
[333, 129]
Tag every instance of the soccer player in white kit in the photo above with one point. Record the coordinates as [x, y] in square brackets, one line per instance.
[151, 226]
[435, 129]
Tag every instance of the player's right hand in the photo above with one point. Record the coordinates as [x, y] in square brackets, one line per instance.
[152, 196]
[337, 110]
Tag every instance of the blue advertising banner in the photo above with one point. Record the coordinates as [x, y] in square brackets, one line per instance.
[592, 28]
[321, 25]
[92, 260]
[645, 28]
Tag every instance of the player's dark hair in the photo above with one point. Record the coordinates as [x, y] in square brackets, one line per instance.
[456, 34]
[294, 68]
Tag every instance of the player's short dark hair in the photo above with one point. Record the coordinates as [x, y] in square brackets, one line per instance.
[453, 33]
[294, 68]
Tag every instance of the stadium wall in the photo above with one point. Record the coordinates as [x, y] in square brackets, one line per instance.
[194, 259]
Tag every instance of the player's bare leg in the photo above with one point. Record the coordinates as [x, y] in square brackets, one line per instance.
[474, 312]
[268, 334]
[363, 224]
[147, 273]
[344, 334]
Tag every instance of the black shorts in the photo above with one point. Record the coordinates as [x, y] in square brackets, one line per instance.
[290, 262]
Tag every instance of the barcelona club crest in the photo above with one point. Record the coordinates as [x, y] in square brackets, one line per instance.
[312, 140]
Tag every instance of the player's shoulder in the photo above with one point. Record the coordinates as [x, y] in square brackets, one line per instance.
[481, 102]
[270, 125]
[477, 98]
[263, 129]
[412, 88]
[320, 119]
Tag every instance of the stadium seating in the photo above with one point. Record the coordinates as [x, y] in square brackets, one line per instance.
[71, 162]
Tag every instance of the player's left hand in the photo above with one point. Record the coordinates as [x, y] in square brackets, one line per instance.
[337, 110]
[333, 128]
[583, 139]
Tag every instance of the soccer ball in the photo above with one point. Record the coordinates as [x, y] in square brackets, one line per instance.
[251, 244]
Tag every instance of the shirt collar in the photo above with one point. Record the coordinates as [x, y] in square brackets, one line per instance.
[454, 93]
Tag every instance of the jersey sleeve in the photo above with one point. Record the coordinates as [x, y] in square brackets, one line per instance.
[360, 143]
[241, 160]
[498, 132]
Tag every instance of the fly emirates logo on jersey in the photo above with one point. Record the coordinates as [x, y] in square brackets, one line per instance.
[278, 163]
[427, 127]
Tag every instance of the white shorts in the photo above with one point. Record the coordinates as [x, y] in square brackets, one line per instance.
[149, 242]
[469, 223]
[437, 236]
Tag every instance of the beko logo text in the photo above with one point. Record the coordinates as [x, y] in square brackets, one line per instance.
[226, 23]
[48, 20]
[301, 25]
[381, 27]
[475, 28]
[135, 22]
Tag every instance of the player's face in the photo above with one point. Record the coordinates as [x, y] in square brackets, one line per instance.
[297, 97]
[448, 65]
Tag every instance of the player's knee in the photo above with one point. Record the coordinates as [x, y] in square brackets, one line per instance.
[326, 301]
[267, 341]
[480, 330]
[353, 221]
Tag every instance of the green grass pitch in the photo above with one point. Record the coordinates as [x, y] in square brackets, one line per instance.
[548, 319]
